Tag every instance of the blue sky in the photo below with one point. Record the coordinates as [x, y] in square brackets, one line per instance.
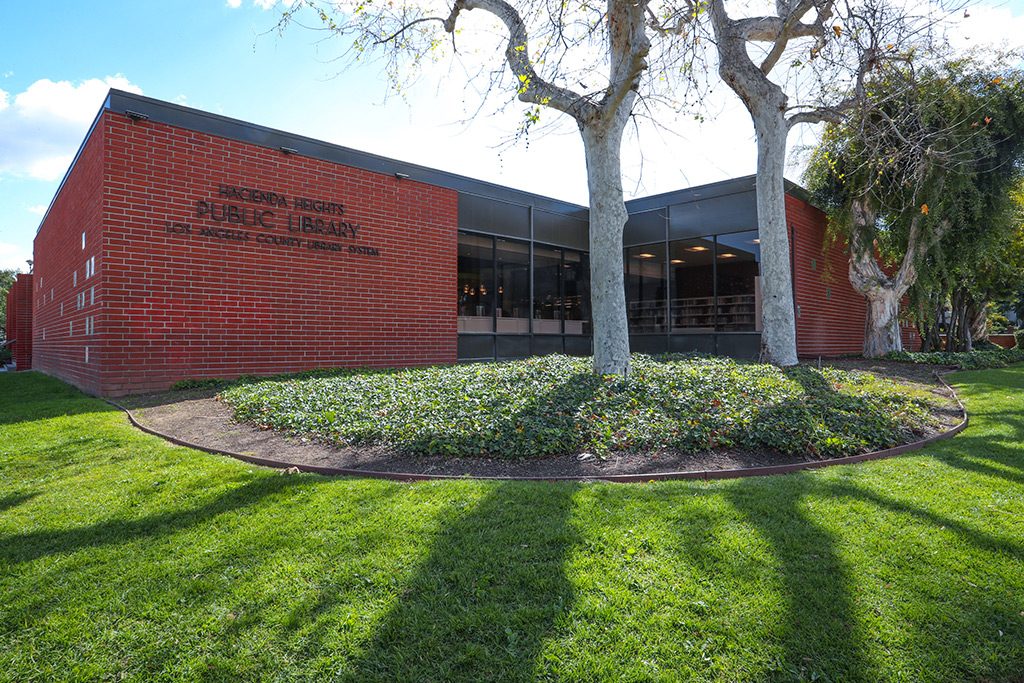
[58, 58]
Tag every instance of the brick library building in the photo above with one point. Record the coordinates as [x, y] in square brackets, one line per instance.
[186, 245]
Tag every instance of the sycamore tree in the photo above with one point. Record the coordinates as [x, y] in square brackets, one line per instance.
[805, 62]
[548, 53]
[916, 170]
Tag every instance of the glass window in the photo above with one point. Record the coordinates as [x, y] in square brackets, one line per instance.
[547, 290]
[692, 268]
[738, 261]
[513, 293]
[476, 283]
[645, 288]
[576, 285]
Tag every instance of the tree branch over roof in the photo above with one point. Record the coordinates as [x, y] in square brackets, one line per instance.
[532, 87]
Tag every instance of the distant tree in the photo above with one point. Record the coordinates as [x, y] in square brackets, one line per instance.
[978, 265]
[550, 50]
[924, 165]
[6, 281]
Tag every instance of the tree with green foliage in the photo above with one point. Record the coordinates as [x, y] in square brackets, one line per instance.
[978, 265]
[6, 282]
[923, 165]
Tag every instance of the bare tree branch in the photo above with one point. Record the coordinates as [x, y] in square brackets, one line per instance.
[532, 87]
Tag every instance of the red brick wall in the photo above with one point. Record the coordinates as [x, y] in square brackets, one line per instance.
[19, 320]
[63, 296]
[830, 312]
[908, 331]
[181, 306]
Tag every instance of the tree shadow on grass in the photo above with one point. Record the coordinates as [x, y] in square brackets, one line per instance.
[13, 500]
[482, 603]
[33, 545]
[1007, 465]
[992, 445]
[980, 539]
[821, 639]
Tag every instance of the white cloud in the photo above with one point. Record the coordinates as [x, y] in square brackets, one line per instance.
[234, 4]
[68, 102]
[13, 256]
[37, 209]
[43, 127]
[269, 4]
[986, 26]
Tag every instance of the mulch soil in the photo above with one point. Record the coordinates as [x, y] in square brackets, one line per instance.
[198, 418]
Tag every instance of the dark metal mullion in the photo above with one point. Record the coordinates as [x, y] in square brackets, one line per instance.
[561, 294]
[714, 287]
[494, 295]
[668, 289]
[532, 274]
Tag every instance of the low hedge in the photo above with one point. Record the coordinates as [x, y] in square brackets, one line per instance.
[554, 404]
[972, 360]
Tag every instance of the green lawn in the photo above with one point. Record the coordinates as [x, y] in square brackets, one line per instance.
[122, 557]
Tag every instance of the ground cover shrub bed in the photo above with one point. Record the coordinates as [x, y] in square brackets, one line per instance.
[965, 360]
[554, 404]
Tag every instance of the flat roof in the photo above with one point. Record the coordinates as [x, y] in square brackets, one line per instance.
[121, 102]
[234, 129]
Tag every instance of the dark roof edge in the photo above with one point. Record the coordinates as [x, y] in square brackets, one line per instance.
[720, 188]
[119, 101]
[800, 192]
[160, 111]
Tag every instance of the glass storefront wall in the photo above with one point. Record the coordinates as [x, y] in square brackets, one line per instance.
[714, 285]
[738, 282]
[547, 296]
[494, 288]
[476, 283]
[691, 286]
[646, 287]
[513, 287]
[692, 266]
[576, 278]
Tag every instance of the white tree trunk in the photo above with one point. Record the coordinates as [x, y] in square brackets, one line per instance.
[882, 292]
[882, 326]
[602, 146]
[767, 104]
[778, 338]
